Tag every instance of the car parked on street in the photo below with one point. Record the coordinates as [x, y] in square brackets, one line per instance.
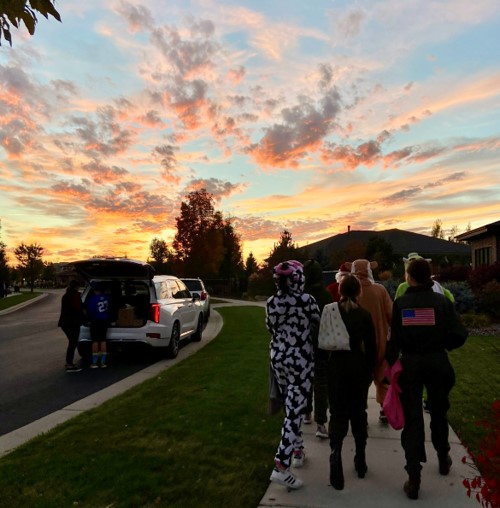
[156, 311]
[197, 287]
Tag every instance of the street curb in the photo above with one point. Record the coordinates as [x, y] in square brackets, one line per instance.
[24, 304]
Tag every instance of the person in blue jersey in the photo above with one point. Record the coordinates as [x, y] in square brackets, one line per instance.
[291, 315]
[98, 314]
[424, 327]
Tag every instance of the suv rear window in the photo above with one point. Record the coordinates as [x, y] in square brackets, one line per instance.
[192, 284]
[126, 293]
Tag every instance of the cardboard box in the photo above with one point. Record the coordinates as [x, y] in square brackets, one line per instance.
[126, 317]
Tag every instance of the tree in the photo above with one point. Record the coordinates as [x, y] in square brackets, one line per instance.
[4, 267]
[350, 252]
[452, 234]
[195, 219]
[380, 250]
[206, 244]
[163, 257]
[48, 274]
[251, 265]
[231, 266]
[30, 261]
[437, 229]
[12, 12]
[284, 250]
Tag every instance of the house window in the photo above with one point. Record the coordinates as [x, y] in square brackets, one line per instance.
[482, 256]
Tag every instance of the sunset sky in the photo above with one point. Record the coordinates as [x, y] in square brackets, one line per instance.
[306, 116]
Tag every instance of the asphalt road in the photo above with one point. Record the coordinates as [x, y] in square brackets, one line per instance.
[33, 382]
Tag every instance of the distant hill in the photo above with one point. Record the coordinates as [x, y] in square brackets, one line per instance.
[403, 242]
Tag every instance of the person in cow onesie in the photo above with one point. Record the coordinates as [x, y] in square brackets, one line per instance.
[291, 315]
[375, 299]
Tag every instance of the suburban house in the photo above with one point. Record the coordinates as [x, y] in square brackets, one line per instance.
[484, 242]
[402, 242]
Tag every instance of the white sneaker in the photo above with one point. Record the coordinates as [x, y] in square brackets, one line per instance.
[298, 459]
[308, 418]
[286, 478]
[321, 432]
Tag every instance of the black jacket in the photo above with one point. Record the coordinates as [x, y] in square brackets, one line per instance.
[424, 322]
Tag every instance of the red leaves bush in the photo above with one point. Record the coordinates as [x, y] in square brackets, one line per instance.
[485, 485]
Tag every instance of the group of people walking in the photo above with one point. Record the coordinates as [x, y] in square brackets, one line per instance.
[367, 332]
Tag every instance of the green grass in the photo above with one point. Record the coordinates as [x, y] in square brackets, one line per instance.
[16, 299]
[198, 434]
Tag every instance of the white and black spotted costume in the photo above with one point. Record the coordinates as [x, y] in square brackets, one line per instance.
[290, 314]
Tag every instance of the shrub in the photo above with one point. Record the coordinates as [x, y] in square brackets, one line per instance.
[472, 320]
[454, 273]
[464, 297]
[260, 284]
[488, 298]
[479, 277]
[486, 463]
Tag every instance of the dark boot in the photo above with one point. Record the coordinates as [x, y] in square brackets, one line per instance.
[360, 462]
[336, 470]
[412, 485]
[444, 463]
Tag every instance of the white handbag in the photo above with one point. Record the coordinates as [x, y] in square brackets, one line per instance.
[333, 335]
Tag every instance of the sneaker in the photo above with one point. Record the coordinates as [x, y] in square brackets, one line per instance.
[298, 458]
[286, 478]
[321, 432]
[94, 366]
[104, 365]
[73, 368]
[382, 418]
[308, 418]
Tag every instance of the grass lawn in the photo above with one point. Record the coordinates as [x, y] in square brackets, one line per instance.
[16, 299]
[477, 386]
[197, 435]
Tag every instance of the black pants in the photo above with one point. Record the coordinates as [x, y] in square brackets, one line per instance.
[348, 381]
[72, 333]
[434, 371]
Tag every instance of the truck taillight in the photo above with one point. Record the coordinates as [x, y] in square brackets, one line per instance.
[203, 295]
[154, 312]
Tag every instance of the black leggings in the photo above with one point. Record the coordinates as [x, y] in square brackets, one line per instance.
[72, 332]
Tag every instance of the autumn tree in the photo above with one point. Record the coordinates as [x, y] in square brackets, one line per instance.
[206, 244]
[30, 261]
[163, 257]
[13, 12]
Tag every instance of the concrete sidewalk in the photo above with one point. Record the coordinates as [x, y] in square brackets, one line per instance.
[383, 485]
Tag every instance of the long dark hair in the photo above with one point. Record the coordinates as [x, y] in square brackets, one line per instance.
[349, 289]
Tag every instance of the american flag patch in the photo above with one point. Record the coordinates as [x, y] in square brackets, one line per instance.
[416, 317]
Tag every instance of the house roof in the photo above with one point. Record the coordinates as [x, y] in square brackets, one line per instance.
[478, 233]
[403, 242]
